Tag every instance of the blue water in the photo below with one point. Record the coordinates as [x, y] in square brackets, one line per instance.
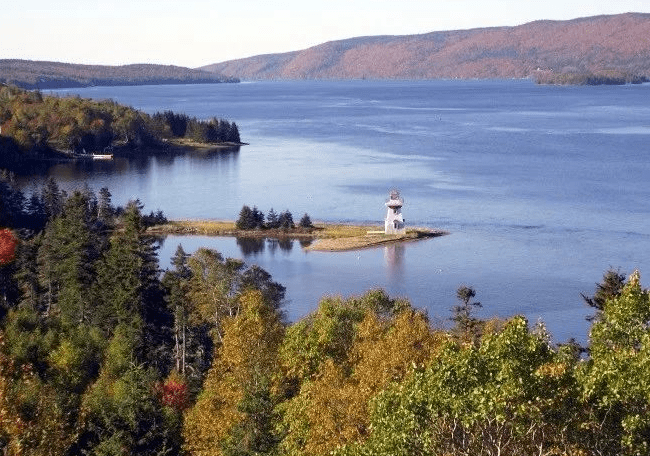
[542, 188]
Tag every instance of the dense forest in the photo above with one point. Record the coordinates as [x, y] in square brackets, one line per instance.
[36, 125]
[102, 353]
[585, 78]
[30, 74]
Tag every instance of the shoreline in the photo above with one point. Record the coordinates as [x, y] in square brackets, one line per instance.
[326, 237]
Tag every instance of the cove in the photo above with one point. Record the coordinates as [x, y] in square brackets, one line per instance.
[543, 188]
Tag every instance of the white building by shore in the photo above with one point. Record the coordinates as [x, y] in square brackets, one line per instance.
[394, 222]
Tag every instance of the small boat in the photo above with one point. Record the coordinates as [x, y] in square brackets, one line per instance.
[102, 156]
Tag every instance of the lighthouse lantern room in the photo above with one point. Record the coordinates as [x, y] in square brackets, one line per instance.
[394, 223]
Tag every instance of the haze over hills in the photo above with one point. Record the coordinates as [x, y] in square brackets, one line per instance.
[30, 74]
[587, 45]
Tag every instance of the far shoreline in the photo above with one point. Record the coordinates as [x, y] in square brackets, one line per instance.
[326, 237]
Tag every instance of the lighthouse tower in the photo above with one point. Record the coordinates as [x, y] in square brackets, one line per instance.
[394, 223]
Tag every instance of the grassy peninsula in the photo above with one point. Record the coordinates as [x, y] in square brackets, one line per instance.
[329, 237]
[34, 126]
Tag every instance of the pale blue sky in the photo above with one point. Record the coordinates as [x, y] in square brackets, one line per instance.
[199, 32]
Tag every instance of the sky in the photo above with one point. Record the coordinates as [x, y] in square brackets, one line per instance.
[194, 33]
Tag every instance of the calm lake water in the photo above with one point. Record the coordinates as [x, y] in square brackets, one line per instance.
[542, 188]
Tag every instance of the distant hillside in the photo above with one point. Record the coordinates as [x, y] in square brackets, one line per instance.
[588, 45]
[30, 74]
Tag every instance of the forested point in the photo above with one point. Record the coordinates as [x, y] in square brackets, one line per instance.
[33, 125]
[104, 353]
[580, 78]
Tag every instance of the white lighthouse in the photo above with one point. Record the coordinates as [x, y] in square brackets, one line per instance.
[394, 223]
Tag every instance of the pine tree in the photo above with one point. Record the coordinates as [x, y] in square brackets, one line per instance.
[285, 220]
[129, 268]
[36, 213]
[467, 326]
[246, 220]
[66, 257]
[610, 287]
[176, 281]
[233, 134]
[52, 198]
[272, 220]
[305, 222]
[258, 218]
[77, 250]
[105, 209]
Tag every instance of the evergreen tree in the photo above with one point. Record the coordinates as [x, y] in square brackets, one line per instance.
[258, 218]
[223, 130]
[66, 258]
[285, 220]
[126, 273]
[272, 220]
[610, 287]
[76, 245]
[255, 434]
[245, 220]
[233, 134]
[176, 282]
[12, 203]
[467, 326]
[52, 198]
[36, 213]
[122, 413]
[105, 209]
[305, 222]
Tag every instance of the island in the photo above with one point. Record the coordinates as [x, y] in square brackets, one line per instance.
[324, 237]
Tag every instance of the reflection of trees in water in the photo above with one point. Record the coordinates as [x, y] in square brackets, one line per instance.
[273, 245]
[250, 246]
[304, 243]
[139, 163]
[254, 246]
[286, 245]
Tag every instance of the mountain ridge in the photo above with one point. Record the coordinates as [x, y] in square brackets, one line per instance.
[590, 44]
[33, 74]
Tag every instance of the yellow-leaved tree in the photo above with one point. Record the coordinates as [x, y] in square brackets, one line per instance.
[225, 416]
[386, 340]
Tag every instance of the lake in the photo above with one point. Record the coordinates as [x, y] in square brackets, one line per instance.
[542, 188]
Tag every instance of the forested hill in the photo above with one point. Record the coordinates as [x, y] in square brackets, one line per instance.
[30, 74]
[586, 45]
[37, 126]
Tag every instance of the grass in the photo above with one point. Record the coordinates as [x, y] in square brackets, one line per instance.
[206, 227]
[328, 237]
[187, 143]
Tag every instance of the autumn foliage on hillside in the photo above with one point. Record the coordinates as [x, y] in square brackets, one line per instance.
[586, 46]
